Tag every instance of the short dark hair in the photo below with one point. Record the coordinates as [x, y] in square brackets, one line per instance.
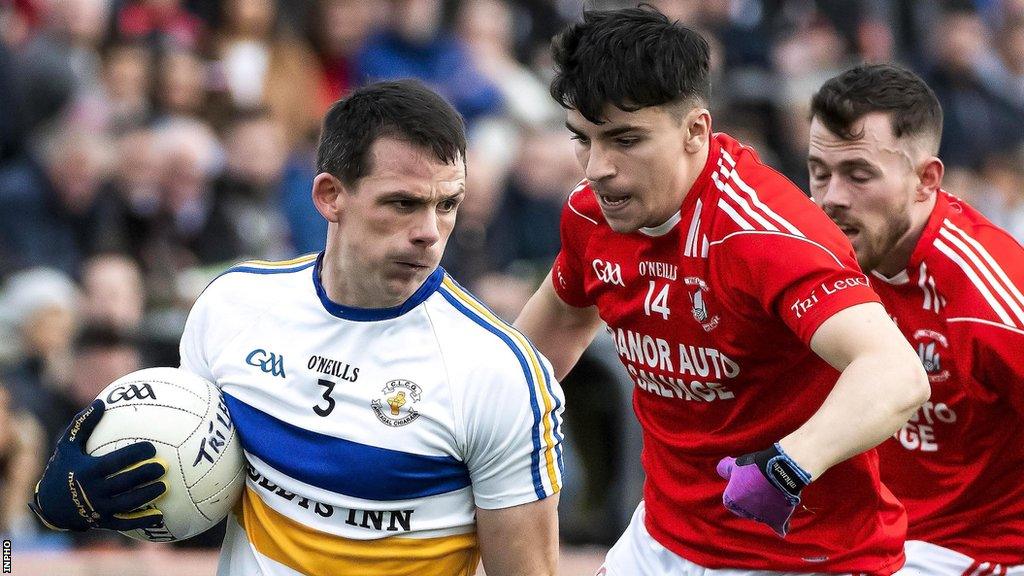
[631, 58]
[405, 110]
[912, 106]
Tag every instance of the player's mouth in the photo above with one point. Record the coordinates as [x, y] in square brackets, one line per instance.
[850, 231]
[412, 266]
[613, 202]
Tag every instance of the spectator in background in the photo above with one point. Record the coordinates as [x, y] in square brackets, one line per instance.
[72, 33]
[127, 85]
[189, 228]
[113, 293]
[1003, 201]
[41, 308]
[181, 82]
[486, 28]
[261, 65]
[162, 24]
[249, 189]
[1005, 72]
[416, 45]
[52, 210]
[102, 355]
[21, 448]
[339, 31]
[977, 121]
[544, 169]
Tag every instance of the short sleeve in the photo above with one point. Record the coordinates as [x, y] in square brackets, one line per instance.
[192, 347]
[513, 414]
[799, 280]
[567, 271]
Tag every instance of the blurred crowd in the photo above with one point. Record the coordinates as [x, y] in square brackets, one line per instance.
[146, 145]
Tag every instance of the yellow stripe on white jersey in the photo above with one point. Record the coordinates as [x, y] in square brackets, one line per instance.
[316, 553]
[277, 263]
[539, 379]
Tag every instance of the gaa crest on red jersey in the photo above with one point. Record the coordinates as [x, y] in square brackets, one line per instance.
[930, 354]
[696, 290]
[608, 272]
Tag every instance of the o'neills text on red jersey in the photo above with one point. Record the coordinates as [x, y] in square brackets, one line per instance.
[640, 352]
[659, 270]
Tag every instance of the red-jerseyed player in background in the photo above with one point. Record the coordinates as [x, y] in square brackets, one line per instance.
[953, 281]
[738, 309]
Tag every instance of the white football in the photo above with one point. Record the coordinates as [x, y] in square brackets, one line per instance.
[185, 418]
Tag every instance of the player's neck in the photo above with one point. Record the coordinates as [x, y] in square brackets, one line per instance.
[898, 258]
[343, 286]
[698, 163]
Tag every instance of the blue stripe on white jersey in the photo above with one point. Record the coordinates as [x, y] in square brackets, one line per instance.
[343, 466]
[503, 331]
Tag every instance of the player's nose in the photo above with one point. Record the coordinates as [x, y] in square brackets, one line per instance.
[426, 230]
[833, 196]
[599, 165]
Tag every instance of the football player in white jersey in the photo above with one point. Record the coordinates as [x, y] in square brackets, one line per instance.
[392, 424]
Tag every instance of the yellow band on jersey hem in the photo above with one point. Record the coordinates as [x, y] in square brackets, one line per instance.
[317, 553]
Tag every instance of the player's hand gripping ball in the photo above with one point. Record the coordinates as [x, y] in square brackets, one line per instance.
[151, 420]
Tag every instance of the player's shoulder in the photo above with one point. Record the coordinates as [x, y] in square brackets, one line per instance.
[757, 204]
[977, 266]
[253, 282]
[475, 340]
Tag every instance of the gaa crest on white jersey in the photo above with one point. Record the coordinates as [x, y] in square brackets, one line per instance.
[396, 405]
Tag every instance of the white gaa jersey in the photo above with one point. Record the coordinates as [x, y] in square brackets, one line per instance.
[371, 434]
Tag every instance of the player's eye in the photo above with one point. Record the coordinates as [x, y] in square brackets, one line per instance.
[860, 177]
[581, 139]
[626, 142]
[448, 205]
[403, 204]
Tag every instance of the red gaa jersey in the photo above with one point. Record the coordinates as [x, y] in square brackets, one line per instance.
[712, 313]
[957, 463]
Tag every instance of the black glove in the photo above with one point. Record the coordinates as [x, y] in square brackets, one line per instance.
[79, 491]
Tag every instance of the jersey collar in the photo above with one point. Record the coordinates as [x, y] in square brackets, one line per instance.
[375, 314]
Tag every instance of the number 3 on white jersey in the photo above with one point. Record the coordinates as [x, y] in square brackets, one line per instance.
[659, 303]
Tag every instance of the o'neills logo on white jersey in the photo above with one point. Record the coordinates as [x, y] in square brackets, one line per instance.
[608, 272]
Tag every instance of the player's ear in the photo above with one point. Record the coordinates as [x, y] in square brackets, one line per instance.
[929, 178]
[697, 124]
[328, 196]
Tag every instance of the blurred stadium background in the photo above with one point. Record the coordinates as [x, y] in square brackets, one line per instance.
[145, 145]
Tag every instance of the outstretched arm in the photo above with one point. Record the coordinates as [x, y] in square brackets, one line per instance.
[881, 385]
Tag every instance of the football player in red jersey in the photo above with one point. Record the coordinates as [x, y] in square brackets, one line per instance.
[953, 281]
[765, 368]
